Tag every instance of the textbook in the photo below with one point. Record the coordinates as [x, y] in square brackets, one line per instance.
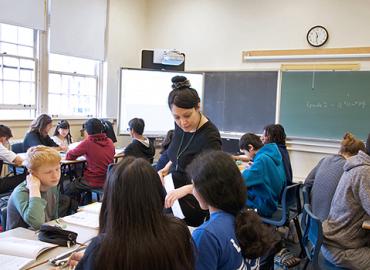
[18, 253]
[84, 218]
[92, 208]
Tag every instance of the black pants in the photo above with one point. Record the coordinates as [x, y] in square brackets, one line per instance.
[80, 187]
[8, 183]
[194, 215]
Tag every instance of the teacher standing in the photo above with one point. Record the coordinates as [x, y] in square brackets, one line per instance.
[193, 134]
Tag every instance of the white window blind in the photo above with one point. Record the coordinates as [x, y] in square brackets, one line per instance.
[25, 13]
[77, 28]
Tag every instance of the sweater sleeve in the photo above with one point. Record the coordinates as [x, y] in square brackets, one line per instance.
[50, 142]
[32, 209]
[364, 193]
[253, 175]
[80, 150]
[311, 176]
[88, 260]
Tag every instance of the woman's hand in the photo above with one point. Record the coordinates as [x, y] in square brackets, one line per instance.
[177, 194]
[63, 147]
[165, 171]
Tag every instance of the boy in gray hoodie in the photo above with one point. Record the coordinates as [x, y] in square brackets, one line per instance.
[346, 244]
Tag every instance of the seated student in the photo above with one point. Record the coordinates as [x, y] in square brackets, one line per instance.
[99, 152]
[38, 134]
[134, 232]
[265, 178]
[324, 178]
[62, 135]
[9, 183]
[35, 201]
[275, 133]
[346, 244]
[164, 159]
[140, 145]
[234, 236]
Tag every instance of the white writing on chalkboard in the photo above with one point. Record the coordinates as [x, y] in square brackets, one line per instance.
[361, 104]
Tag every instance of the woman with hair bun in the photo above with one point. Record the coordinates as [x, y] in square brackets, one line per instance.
[324, 178]
[193, 134]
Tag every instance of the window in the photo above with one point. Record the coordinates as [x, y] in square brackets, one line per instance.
[72, 81]
[17, 72]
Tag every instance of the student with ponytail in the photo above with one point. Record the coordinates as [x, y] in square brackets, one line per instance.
[234, 236]
[324, 178]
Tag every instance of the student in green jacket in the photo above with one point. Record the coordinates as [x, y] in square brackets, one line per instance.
[35, 201]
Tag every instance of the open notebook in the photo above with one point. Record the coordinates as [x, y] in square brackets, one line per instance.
[18, 253]
[84, 218]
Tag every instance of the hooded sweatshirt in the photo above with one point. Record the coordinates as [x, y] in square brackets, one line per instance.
[350, 206]
[265, 180]
[99, 152]
[141, 149]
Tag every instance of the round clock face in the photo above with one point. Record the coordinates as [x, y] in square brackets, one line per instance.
[317, 36]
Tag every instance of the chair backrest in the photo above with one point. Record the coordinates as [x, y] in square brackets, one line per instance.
[306, 191]
[312, 235]
[18, 148]
[290, 200]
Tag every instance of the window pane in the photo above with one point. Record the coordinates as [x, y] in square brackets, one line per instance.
[8, 33]
[10, 61]
[55, 85]
[25, 63]
[11, 92]
[57, 104]
[9, 48]
[25, 51]
[1, 92]
[25, 36]
[27, 93]
[66, 82]
[72, 64]
[11, 74]
[17, 114]
[26, 75]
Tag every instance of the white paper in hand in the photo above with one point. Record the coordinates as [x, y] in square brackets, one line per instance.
[169, 186]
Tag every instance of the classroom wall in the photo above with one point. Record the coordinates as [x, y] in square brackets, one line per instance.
[213, 34]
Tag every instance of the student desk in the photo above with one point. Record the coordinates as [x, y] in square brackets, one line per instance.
[84, 234]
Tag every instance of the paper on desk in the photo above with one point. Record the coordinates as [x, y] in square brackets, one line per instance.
[83, 218]
[169, 186]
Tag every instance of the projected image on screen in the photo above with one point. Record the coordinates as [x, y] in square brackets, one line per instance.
[144, 94]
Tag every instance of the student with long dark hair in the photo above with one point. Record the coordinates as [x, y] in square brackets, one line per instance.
[38, 134]
[62, 134]
[275, 133]
[134, 232]
[234, 236]
[193, 134]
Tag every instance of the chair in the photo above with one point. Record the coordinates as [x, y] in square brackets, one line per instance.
[289, 209]
[3, 212]
[306, 191]
[312, 236]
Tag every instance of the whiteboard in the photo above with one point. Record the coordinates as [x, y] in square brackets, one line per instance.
[144, 94]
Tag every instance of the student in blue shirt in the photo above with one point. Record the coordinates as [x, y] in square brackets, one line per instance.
[234, 237]
[265, 178]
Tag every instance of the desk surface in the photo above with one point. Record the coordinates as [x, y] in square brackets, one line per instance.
[84, 234]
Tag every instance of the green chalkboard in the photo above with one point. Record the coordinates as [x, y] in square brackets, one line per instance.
[325, 104]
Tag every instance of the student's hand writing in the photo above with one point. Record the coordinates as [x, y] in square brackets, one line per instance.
[162, 173]
[174, 195]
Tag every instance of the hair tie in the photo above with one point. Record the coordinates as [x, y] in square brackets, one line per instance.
[180, 85]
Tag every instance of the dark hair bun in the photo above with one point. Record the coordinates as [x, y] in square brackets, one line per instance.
[180, 82]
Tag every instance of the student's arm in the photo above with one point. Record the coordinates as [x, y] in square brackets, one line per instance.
[32, 207]
[364, 192]
[80, 150]
[253, 176]
[50, 142]
[18, 161]
[308, 182]
[163, 172]
[176, 194]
